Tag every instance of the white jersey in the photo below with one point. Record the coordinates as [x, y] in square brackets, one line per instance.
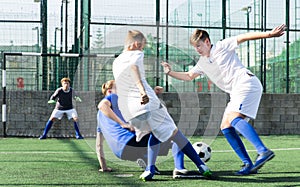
[223, 67]
[129, 95]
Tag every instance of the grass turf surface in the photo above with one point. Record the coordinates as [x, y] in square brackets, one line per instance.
[71, 162]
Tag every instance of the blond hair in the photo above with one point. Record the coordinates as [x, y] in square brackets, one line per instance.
[198, 35]
[65, 79]
[108, 85]
[134, 36]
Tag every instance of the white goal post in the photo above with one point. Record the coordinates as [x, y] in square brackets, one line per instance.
[4, 76]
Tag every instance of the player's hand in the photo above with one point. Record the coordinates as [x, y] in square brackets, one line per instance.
[78, 99]
[278, 31]
[145, 99]
[127, 126]
[167, 67]
[51, 102]
[130, 128]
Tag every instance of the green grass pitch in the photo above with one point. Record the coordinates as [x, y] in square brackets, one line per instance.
[71, 162]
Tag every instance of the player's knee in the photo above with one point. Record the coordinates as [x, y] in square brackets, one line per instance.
[229, 118]
[225, 125]
[52, 119]
[233, 117]
[174, 132]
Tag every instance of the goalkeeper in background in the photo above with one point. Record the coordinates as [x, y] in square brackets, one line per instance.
[64, 105]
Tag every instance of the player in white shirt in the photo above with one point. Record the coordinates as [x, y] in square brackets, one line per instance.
[141, 107]
[222, 66]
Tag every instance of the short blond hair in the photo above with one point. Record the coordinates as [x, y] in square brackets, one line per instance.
[198, 35]
[108, 85]
[65, 79]
[134, 36]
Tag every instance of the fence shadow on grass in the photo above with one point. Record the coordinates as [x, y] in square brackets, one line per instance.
[264, 177]
[82, 153]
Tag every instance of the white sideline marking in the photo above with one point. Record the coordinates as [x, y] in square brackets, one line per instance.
[91, 152]
[279, 149]
[124, 175]
[45, 152]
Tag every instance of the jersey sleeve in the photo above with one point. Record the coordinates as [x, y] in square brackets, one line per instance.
[228, 44]
[197, 69]
[108, 97]
[55, 94]
[137, 58]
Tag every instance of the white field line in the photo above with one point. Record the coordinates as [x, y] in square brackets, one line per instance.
[46, 152]
[279, 149]
[93, 152]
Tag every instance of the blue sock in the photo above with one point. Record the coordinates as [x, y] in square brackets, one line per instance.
[153, 150]
[76, 129]
[187, 148]
[178, 157]
[237, 145]
[48, 127]
[243, 127]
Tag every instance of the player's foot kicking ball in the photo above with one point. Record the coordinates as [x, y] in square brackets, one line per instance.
[262, 159]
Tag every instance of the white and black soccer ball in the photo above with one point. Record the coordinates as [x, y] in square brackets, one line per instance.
[203, 150]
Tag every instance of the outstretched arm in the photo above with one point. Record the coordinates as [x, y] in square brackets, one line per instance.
[186, 76]
[100, 153]
[276, 32]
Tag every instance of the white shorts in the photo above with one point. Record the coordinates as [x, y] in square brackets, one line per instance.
[159, 122]
[245, 97]
[59, 114]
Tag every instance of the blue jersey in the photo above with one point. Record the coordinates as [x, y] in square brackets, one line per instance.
[115, 136]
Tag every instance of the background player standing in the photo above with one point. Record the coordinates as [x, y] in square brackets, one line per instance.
[64, 105]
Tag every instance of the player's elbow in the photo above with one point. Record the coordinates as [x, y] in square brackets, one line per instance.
[101, 107]
[189, 76]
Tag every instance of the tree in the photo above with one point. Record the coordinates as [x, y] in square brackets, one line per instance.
[98, 43]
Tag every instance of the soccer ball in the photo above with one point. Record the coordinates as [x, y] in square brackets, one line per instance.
[203, 150]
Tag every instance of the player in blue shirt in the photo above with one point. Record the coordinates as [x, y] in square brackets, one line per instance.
[120, 136]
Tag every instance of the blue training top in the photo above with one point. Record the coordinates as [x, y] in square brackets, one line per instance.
[115, 136]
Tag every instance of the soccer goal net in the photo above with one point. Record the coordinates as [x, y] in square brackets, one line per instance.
[28, 80]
